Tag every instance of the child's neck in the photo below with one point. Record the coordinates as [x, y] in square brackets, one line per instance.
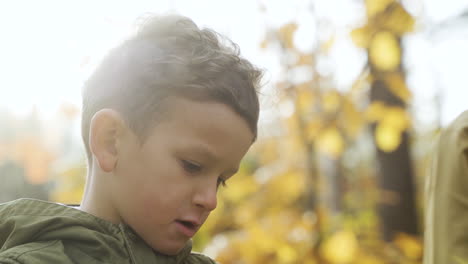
[96, 199]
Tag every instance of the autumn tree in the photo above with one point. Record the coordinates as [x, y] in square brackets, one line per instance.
[387, 22]
[307, 192]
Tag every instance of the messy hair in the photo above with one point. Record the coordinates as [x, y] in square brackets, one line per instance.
[170, 56]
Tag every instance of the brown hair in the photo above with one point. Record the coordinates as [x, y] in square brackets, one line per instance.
[170, 56]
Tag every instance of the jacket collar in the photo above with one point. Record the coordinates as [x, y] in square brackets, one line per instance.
[140, 252]
[29, 220]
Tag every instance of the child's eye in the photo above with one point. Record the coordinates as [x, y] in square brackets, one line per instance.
[221, 182]
[190, 166]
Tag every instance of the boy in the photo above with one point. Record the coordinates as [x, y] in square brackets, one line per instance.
[167, 118]
[446, 233]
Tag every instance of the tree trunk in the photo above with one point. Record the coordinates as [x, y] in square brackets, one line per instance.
[397, 206]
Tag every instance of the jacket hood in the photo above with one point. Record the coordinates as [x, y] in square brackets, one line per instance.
[27, 220]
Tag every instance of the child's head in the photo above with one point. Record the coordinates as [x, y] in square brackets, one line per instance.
[167, 118]
[170, 56]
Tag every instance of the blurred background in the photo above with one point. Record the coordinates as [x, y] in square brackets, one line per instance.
[355, 94]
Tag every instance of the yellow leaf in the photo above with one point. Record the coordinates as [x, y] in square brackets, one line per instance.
[384, 51]
[305, 99]
[286, 34]
[68, 197]
[331, 101]
[374, 7]
[70, 185]
[340, 248]
[352, 119]
[398, 20]
[331, 142]
[239, 188]
[361, 36]
[375, 111]
[293, 146]
[310, 261]
[287, 254]
[409, 245]
[244, 214]
[313, 128]
[396, 117]
[287, 187]
[387, 137]
[261, 239]
[397, 86]
[268, 150]
[370, 260]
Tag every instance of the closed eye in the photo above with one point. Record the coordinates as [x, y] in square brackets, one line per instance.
[190, 166]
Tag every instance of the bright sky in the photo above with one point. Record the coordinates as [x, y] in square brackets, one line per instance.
[44, 44]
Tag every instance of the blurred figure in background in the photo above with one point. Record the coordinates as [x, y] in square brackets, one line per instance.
[446, 232]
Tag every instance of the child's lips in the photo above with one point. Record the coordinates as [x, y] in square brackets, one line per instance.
[188, 227]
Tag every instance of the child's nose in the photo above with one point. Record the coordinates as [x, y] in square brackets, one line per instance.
[206, 197]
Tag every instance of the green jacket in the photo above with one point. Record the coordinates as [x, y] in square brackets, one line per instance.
[446, 227]
[36, 232]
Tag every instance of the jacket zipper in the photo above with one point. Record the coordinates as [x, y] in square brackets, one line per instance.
[127, 244]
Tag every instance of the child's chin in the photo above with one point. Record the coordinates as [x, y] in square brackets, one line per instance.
[170, 250]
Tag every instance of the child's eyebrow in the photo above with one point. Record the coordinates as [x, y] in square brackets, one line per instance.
[205, 152]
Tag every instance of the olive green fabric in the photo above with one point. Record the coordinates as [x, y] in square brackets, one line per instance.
[446, 232]
[36, 232]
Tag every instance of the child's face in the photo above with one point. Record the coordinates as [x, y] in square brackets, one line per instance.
[166, 188]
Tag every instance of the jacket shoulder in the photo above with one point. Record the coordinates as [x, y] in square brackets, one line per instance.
[35, 252]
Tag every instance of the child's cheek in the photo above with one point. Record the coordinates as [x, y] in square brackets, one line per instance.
[151, 205]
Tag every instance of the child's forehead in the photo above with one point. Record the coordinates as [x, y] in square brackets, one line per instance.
[206, 132]
[208, 117]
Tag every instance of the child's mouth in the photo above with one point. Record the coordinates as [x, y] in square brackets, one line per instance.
[187, 224]
[187, 228]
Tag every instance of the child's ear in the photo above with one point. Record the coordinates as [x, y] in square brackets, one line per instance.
[105, 129]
